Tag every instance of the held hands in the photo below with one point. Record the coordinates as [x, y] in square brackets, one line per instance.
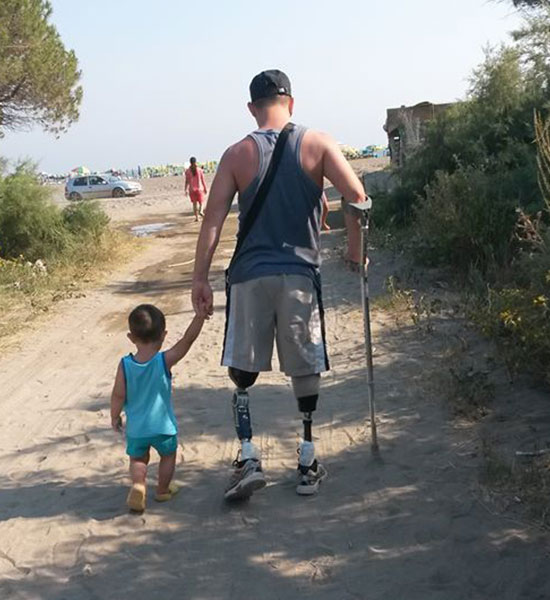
[203, 299]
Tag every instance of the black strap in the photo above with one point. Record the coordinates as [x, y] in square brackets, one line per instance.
[263, 190]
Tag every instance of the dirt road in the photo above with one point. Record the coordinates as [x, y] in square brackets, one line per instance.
[406, 526]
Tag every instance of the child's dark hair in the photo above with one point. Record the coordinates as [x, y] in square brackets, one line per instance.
[147, 323]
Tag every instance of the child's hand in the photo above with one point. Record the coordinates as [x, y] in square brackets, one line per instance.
[116, 424]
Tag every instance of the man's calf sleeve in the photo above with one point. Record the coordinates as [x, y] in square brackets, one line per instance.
[308, 385]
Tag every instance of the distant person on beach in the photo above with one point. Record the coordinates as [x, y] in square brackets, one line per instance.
[143, 389]
[195, 186]
[273, 281]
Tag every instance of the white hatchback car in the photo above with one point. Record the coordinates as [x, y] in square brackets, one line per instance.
[100, 186]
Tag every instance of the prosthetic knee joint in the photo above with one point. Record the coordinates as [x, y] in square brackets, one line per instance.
[241, 413]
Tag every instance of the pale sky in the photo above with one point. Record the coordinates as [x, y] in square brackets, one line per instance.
[168, 79]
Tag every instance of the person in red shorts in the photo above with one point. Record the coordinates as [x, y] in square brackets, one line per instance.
[195, 187]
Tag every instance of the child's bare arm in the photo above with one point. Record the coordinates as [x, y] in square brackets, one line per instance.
[118, 396]
[179, 350]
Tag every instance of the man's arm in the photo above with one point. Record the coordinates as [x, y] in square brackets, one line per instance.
[339, 172]
[222, 191]
[118, 396]
[181, 348]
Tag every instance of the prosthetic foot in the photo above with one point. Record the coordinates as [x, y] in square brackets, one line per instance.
[310, 471]
[247, 476]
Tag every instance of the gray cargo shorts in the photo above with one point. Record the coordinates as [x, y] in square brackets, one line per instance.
[285, 308]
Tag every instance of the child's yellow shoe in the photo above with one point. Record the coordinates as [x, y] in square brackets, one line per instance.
[136, 497]
[173, 489]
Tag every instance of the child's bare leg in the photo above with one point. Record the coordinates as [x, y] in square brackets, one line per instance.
[167, 466]
[138, 472]
[138, 468]
[196, 210]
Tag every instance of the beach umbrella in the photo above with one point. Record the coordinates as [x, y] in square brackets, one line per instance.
[80, 171]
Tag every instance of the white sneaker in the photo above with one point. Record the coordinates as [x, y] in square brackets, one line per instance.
[247, 476]
[310, 472]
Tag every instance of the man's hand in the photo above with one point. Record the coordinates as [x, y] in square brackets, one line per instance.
[203, 299]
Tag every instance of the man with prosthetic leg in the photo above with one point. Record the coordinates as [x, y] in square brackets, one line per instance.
[273, 281]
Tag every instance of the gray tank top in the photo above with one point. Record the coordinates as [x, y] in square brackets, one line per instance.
[285, 237]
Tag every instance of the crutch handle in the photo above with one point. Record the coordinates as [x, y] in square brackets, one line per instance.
[360, 207]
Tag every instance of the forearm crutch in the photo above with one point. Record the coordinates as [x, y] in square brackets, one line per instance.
[362, 210]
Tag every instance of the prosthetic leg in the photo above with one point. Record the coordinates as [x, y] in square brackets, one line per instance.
[310, 471]
[247, 476]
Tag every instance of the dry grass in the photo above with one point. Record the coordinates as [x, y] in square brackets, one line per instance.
[27, 291]
[522, 480]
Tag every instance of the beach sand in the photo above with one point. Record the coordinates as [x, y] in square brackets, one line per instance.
[407, 524]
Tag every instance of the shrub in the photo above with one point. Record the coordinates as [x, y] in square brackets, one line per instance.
[85, 219]
[520, 321]
[393, 208]
[518, 315]
[491, 131]
[30, 225]
[466, 221]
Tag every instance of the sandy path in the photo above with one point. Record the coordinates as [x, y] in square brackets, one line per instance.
[404, 526]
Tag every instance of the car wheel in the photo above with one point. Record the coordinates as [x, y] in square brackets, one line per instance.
[75, 196]
[118, 193]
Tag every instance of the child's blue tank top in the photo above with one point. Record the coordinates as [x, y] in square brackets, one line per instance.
[148, 404]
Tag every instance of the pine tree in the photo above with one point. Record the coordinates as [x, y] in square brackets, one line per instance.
[39, 77]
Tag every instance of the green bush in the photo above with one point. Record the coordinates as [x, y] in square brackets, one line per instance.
[517, 314]
[85, 219]
[491, 131]
[30, 225]
[466, 221]
[33, 228]
[393, 209]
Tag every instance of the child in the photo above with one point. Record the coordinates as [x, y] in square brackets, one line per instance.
[143, 388]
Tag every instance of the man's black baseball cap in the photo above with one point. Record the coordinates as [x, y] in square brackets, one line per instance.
[269, 83]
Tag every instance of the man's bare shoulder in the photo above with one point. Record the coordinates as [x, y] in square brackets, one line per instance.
[241, 161]
[320, 139]
[315, 146]
[242, 150]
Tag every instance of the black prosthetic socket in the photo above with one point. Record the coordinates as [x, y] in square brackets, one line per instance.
[307, 404]
[242, 379]
[241, 413]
